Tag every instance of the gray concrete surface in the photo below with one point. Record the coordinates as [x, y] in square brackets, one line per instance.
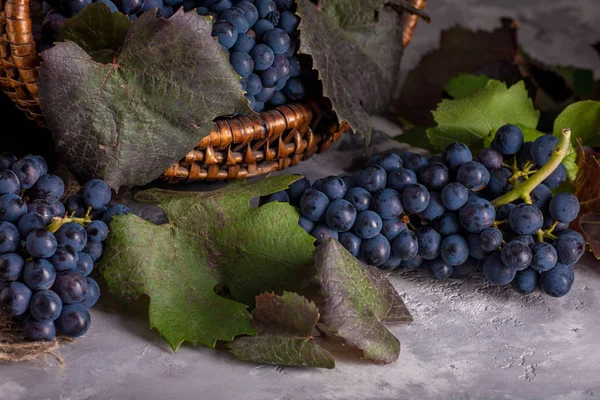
[469, 340]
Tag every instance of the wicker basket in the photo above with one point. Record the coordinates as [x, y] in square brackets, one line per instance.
[237, 147]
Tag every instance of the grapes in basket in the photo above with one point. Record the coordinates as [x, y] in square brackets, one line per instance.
[454, 213]
[48, 248]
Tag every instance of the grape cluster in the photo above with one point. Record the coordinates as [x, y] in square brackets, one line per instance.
[259, 36]
[48, 248]
[408, 211]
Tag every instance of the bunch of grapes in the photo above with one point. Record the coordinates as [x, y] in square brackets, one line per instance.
[407, 211]
[48, 248]
[260, 37]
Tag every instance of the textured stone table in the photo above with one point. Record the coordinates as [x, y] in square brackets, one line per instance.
[469, 340]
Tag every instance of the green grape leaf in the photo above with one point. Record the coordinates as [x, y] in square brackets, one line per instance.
[351, 15]
[465, 84]
[210, 239]
[470, 119]
[357, 299]
[97, 30]
[583, 118]
[283, 326]
[128, 120]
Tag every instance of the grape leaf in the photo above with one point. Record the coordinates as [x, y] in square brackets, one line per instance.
[357, 299]
[283, 325]
[583, 118]
[470, 119]
[416, 137]
[211, 238]
[128, 120]
[587, 190]
[465, 84]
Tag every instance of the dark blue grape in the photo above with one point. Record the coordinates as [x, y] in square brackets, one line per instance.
[526, 281]
[413, 263]
[389, 162]
[7, 160]
[475, 249]
[45, 305]
[70, 287]
[296, 190]
[569, 246]
[334, 187]
[415, 162]
[447, 224]
[39, 274]
[434, 208]
[465, 269]
[496, 272]
[323, 232]
[278, 99]
[220, 6]
[541, 196]
[454, 250]
[38, 330]
[249, 10]
[75, 205]
[359, 198]
[473, 175]
[29, 222]
[295, 68]
[284, 69]
[284, 5]
[455, 155]
[372, 178]
[406, 156]
[244, 44]
[253, 85]
[92, 295]
[405, 246]
[313, 204]
[516, 255]
[477, 215]
[226, 32]
[368, 224]
[498, 183]
[288, 21]
[11, 266]
[242, 63]
[439, 269]
[434, 176]
[199, 10]
[278, 40]
[44, 208]
[490, 158]
[130, 7]
[267, 9]
[72, 234]
[399, 178]
[504, 211]
[542, 148]
[151, 5]
[9, 182]
[508, 139]
[265, 95]
[415, 198]
[490, 239]
[111, 6]
[351, 242]
[340, 215]
[112, 211]
[390, 264]
[97, 231]
[564, 207]
[65, 258]
[94, 249]
[74, 320]
[294, 89]
[527, 239]
[261, 27]
[96, 193]
[12, 207]
[280, 196]
[269, 77]
[41, 243]
[454, 196]
[237, 18]
[544, 257]
[390, 228]
[349, 181]
[556, 178]
[85, 264]
[429, 242]
[14, 299]
[375, 251]
[9, 237]
[526, 219]
[387, 204]
[558, 281]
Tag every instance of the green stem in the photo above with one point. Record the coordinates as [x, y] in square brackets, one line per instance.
[57, 222]
[523, 190]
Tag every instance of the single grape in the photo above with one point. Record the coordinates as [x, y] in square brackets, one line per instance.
[569, 246]
[359, 198]
[39, 274]
[96, 193]
[415, 162]
[296, 190]
[74, 320]
[94, 249]
[490, 158]
[334, 187]
[130, 7]
[281, 197]
[44, 208]
[504, 211]
[516, 255]
[253, 85]
[284, 69]
[544, 257]
[112, 211]
[526, 219]
[295, 67]
[434, 209]
[38, 330]
[376, 250]
[349, 181]
[237, 18]
[496, 272]
[323, 232]
[92, 295]
[294, 89]
[558, 281]
[85, 264]
[318, 184]
[278, 40]
[313, 204]
[439, 269]
[261, 27]
[249, 10]
[265, 95]
[9, 182]
[12, 207]
[97, 231]
[527, 239]
[7, 160]
[226, 33]
[406, 156]
[542, 148]
[405, 246]
[490, 239]
[244, 44]
[455, 155]
[429, 242]
[541, 196]
[390, 264]
[556, 178]
[243, 64]
[390, 228]
[412, 263]
[454, 196]
[465, 269]
[340, 215]
[526, 281]
[447, 224]
[399, 178]
[284, 5]
[269, 77]
[498, 184]
[387, 204]
[434, 176]
[454, 250]
[45, 305]
[367, 225]
[41, 243]
[388, 161]
[477, 215]
[11, 266]
[70, 287]
[29, 222]
[9, 237]
[372, 178]
[65, 258]
[75, 205]
[220, 6]
[564, 207]
[351, 242]
[473, 175]
[72, 234]
[475, 249]
[508, 139]
[14, 299]
[415, 198]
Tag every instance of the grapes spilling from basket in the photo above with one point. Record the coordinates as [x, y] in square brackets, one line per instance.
[408, 211]
[48, 248]
[259, 36]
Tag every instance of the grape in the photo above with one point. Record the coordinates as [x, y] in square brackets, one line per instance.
[544, 257]
[465, 269]
[242, 63]
[253, 85]
[390, 264]
[415, 198]
[9, 182]
[351, 242]
[526, 281]
[475, 249]
[527, 239]
[74, 320]
[405, 246]
[265, 95]
[295, 68]
[439, 269]
[284, 69]
[75, 205]
[558, 281]
[477, 215]
[454, 196]
[12, 207]
[516, 255]
[94, 249]
[39, 274]
[372, 178]
[226, 32]
[283, 5]
[85, 264]
[508, 139]
[473, 175]
[496, 272]
[498, 184]
[41, 243]
[333, 187]
[399, 178]
[38, 330]
[340, 215]
[490, 158]
[249, 10]
[29, 222]
[447, 224]
[294, 89]
[92, 295]
[130, 7]
[14, 299]
[429, 242]
[261, 27]
[359, 198]
[44, 208]
[278, 40]
[72, 234]
[390, 228]
[7, 160]
[65, 258]
[318, 184]
[45, 305]
[376, 250]
[556, 178]
[237, 18]
[11, 266]
[415, 162]
[322, 232]
[96, 193]
[542, 148]
[313, 204]
[244, 44]
[9, 237]
[269, 77]
[280, 196]
[118, 209]
[454, 250]
[220, 6]
[455, 155]
[367, 225]
[504, 211]
[490, 239]
[434, 209]
[412, 263]
[151, 5]
[569, 246]
[564, 207]
[97, 231]
[70, 287]
[541, 196]
[434, 176]
[526, 219]
[387, 204]
[389, 162]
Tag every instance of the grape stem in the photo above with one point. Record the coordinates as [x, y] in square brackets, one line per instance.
[523, 190]
[57, 222]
